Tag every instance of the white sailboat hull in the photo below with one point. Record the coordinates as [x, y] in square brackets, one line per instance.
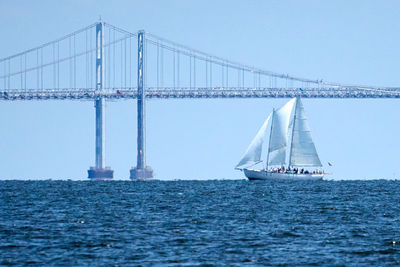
[264, 175]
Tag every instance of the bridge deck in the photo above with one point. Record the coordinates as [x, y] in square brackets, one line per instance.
[216, 92]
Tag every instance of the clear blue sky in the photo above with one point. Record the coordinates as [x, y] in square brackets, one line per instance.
[341, 41]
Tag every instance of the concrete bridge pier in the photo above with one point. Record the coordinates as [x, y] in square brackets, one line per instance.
[100, 171]
[141, 171]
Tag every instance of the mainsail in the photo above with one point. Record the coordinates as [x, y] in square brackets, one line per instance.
[279, 134]
[303, 152]
[253, 153]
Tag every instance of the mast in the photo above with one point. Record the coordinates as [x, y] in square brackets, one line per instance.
[291, 142]
[270, 134]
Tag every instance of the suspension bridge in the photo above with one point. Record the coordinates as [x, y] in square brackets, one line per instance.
[103, 62]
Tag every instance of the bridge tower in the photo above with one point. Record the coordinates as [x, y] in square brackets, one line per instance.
[100, 171]
[141, 172]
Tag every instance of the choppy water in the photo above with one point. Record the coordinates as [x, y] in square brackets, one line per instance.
[199, 222]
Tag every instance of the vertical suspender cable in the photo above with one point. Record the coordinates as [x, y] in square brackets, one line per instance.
[41, 68]
[227, 78]
[145, 74]
[54, 66]
[91, 60]
[174, 69]
[108, 65]
[238, 80]
[20, 65]
[25, 73]
[106, 45]
[113, 85]
[58, 65]
[130, 61]
[125, 63]
[70, 65]
[242, 78]
[158, 54]
[86, 60]
[194, 71]
[206, 73]
[74, 61]
[37, 68]
[211, 74]
[222, 72]
[178, 69]
[5, 84]
[162, 67]
[122, 65]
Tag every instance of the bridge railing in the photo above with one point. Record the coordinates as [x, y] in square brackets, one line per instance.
[180, 93]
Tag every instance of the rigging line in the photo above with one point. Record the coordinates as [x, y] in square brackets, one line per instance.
[269, 142]
[48, 43]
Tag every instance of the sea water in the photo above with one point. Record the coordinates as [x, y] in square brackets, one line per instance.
[199, 223]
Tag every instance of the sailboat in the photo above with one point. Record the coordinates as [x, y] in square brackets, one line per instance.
[303, 161]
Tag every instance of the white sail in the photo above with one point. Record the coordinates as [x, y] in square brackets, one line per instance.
[279, 134]
[303, 152]
[254, 151]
